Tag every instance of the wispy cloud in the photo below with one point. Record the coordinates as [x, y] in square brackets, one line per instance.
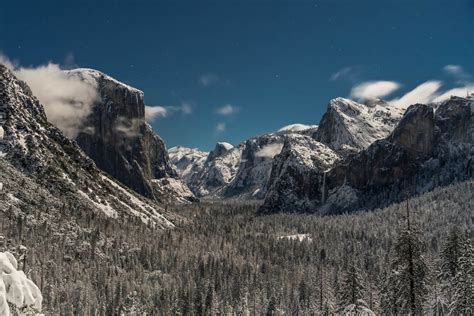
[350, 73]
[453, 69]
[227, 110]
[207, 80]
[458, 72]
[374, 89]
[269, 151]
[153, 113]
[220, 127]
[341, 73]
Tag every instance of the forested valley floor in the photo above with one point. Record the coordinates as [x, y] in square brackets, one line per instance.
[225, 259]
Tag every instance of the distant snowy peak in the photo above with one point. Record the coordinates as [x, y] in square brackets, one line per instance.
[351, 126]
[220, 149]
[187, 160]
[297, 127]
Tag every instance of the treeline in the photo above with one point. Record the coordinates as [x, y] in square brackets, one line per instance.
[226, 260]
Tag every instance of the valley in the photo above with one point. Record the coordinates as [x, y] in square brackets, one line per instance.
[224, 258]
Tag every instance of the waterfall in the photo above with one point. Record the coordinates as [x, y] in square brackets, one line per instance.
[323, 193]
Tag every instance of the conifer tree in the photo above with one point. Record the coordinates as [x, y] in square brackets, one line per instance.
[463, 299]
[409, 271]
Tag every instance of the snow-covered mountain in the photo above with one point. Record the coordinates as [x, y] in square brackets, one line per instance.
[429, 147]
[229, 172]
[348, 126]
[218, 170]
[116, 136]
[38, 164]
[187, 160]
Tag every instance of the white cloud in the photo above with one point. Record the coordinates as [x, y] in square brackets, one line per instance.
[207, 80]
[220, 127]
[227, 110]
[269, 151]
[154, 112]
[460, 92]
[424, 93]
[67, 100]
[374, 89]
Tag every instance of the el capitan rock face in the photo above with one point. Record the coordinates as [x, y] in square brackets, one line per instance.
[117, 137]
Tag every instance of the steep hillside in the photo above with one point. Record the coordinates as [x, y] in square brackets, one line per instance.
[34, 150]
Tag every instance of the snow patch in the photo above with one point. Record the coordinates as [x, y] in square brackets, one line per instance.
[297, 237]
[16, 288]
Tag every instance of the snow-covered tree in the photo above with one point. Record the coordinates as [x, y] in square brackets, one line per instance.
[463, 299]
[16, 289]
[450, 254]
[352, 286]
[409, 271]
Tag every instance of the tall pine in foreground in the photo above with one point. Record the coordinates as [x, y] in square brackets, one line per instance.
[409, 273]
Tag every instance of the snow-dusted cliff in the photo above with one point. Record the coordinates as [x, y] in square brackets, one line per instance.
[40, 152]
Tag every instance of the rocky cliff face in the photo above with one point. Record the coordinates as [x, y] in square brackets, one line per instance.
[349, 127]
[429, 147]
[255, 167]
[116, 136]
[297, 180]
[34, 150]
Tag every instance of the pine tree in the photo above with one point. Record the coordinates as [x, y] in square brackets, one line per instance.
[450, 254]
[352, 286]
[463, 299]
[409, 271]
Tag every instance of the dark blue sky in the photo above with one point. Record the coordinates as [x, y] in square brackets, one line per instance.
[272, 60]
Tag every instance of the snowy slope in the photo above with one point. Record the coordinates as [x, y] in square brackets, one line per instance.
[41, 152]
